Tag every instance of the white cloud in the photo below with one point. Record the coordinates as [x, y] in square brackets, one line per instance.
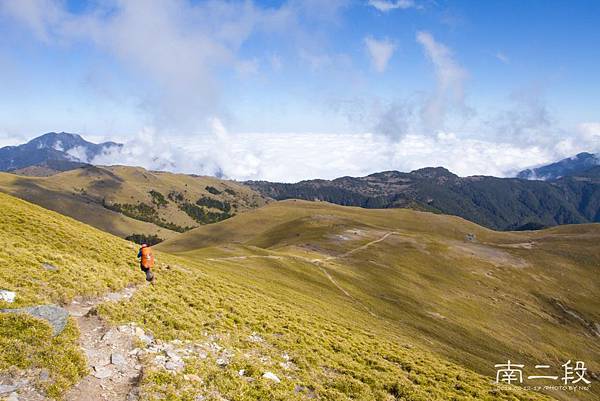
[526, 119]
[589, 132]
[451, 77]
[380, 52]
[388, 5]
[502, 57]
[316, 61]
[178, 50]
[291, 157]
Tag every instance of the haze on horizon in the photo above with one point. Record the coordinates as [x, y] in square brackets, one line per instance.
[297, 89]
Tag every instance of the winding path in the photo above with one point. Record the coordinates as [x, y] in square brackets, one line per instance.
[320, 263]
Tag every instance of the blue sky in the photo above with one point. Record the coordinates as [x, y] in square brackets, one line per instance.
[415, 82]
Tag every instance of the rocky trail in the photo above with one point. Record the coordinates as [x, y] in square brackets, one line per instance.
[110, 351]
[112, 356]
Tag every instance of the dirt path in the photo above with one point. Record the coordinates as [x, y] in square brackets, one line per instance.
[360, 248]
[234, 258]
[110, 351]
[320, 263]
[339, 287]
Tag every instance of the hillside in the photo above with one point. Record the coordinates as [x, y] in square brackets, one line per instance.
[47, 258]
[130, 200]
[209, 329]
[497, 203]
[473, 295]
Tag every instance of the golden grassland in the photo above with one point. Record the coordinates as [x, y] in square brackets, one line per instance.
[527, 296]
[89, 263]
[80, 194]
[347, 304]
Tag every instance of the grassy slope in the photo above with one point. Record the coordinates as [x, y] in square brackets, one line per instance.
[89, 263]
[79, 194]
[337, 352]
[476, 303]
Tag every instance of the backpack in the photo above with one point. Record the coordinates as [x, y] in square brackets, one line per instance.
[147, 257]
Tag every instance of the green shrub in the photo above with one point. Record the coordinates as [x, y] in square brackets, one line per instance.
[214, 203]
[158, 199]
[213, 190]
[200, 215]
[144, 239]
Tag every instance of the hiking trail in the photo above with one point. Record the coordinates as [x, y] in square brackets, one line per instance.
[320, 262]
[114, 369]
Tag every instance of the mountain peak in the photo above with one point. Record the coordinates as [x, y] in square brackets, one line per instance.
[570, 166]
[62, 141]
[51, 146]
[584, 155]
[433, 172]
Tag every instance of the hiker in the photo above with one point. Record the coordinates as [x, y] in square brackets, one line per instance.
[146, 262]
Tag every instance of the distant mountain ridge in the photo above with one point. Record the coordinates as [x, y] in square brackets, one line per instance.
[52, 147]
[497, 203]
[562, 168]
[570, 194]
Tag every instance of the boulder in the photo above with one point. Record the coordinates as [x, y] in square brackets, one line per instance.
[117, 359]
[53, 314]
[271, 376]
[13, 397]
[7, 296]
[49, 267]
[7, 388]
[174, 365]
[101, 372]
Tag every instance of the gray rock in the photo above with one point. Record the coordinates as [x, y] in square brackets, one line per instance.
[299, 389]
[113, 296]
[49, 267]
[13, 397]
[44, 375]
[6, 388]
[117, 359]
[174, 365]
[143, 336]
[101, 372]
[7, 296]
[271, 376]
[135, 351]
[146, 339]
[53, 314]
[173, 355]
[111, 335]
[133, 394]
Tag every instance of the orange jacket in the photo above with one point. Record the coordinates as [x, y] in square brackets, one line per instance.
[147, 257]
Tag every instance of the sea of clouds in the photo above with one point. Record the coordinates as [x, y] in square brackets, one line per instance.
[291, 157]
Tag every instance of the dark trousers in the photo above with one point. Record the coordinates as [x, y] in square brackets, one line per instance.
[149, 275]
